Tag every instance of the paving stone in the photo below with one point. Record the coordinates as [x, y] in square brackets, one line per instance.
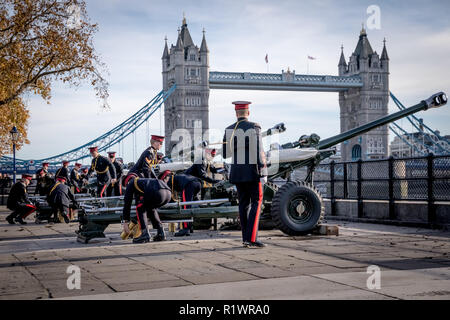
[149, 285]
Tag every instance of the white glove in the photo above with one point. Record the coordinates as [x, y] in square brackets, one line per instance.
[263, 180]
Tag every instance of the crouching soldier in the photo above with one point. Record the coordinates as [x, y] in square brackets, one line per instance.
[189, 188]
[59, 199]
[149, 194]
[19, 202]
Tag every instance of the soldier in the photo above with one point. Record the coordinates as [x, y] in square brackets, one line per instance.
[243, 142]
[19, 202]
[64, 172]
[59, 199]
[148, 159]
[203, 169]
[189, 187]
[76, 179]
[149, 195]
[106, 172]
[84, 179]
[44, 180]
[117, 187]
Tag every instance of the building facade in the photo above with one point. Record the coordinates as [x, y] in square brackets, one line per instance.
[362, 105]
[187, 66]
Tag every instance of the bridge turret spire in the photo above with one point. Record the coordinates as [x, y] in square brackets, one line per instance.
[342, 61]
[204, 47]
[166, 50]
[179, 45]
[384, 55]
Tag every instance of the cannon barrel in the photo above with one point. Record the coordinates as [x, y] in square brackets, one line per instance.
[436, 100]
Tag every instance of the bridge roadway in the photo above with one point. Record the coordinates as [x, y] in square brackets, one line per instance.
[212, 265]
[285, 81]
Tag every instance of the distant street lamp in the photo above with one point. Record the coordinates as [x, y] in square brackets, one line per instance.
[14, 137]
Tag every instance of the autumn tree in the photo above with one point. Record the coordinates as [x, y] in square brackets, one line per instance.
[43, 41]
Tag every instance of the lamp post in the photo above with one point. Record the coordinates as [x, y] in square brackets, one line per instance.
[14, 137]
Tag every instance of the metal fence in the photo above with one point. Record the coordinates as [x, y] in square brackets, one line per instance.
[407, 179]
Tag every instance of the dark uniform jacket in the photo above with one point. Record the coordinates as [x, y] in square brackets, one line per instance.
[144, 187]
[200, 170]
[179, 181]
[104, 168]
[75, 178]
[60, 195]
[44, 182]
[143, 166]
[63, 172]
[17, 196]
[243, 143]
[119, 169]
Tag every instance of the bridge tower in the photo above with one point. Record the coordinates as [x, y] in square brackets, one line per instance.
[361, 105]
[187, 66]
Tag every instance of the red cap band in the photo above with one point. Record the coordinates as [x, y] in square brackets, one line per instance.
[241, 105]
[158, 138]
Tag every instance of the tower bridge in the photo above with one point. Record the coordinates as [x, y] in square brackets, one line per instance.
[362, 84]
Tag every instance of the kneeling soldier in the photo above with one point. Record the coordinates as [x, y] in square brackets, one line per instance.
[19, 202]
[59, 199]
[149, 195]
[189, 187]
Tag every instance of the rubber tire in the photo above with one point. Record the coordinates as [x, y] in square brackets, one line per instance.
[280, 204]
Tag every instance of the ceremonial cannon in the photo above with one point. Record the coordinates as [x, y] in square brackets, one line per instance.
[296, 207]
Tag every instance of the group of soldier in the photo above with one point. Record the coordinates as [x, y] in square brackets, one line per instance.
[151, 190]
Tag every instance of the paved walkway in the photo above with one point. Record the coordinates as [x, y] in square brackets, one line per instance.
[414, 264]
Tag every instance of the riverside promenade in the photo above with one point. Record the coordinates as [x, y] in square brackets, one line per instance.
[413, 264]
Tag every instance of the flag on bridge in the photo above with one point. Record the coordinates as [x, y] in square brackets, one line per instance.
[311, 58]
[267, 58]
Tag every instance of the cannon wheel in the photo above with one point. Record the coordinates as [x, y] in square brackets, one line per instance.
[297, 208]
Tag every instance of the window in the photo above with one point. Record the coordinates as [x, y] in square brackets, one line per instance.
[356, 152]
[197, 123]
[193, 72]
[192, 57]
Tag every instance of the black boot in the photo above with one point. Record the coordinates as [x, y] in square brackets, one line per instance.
[10, 218]
[20, 220]
[182, 233]
[143, 238]
[65, 217]
[160, 236]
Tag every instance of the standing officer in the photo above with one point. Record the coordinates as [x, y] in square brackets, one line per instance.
[243, 143]
[117, 187]
[76, 179]
[44, 180]
[64, 172]
[189, 187]
[106, 172]
[59, 199]
[147, 160]
[149, 194]
[19, 202]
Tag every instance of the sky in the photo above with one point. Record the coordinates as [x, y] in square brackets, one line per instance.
[239, 34]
